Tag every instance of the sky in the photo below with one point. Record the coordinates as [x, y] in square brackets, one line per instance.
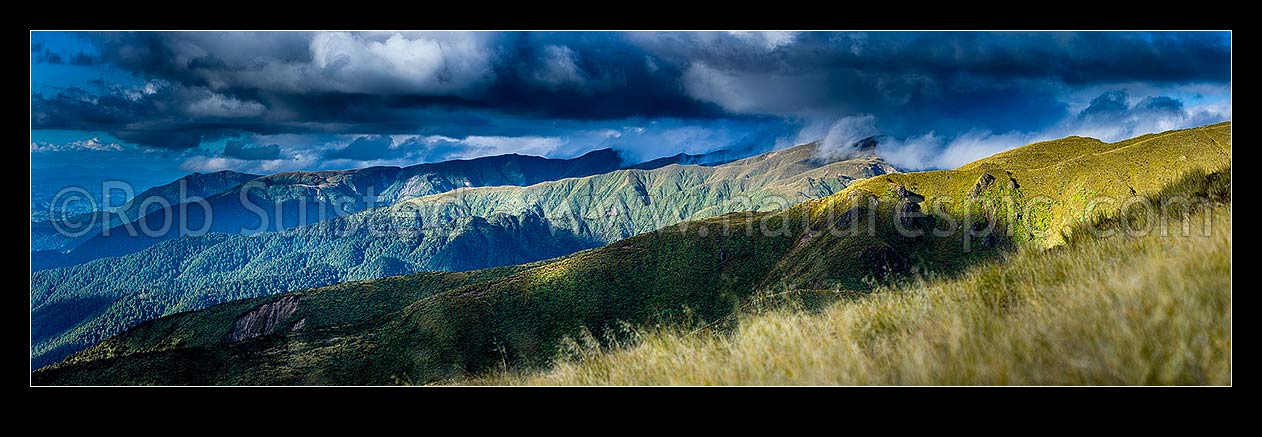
[149, 107]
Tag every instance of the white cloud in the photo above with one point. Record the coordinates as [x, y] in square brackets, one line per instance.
[152, 87]
[927, 151]
[845, 132]
[432, 63]
[1111, 116]
[766, 40]
[486, 146]
[708, 84]
[770, 93]
[1137, 121]
[208, 164]
[452, 63]
[916, 153]
[650, 64]
[221, 106]
[433, 148]
[974, 145]
[558, 68]
[138, 93]
[93, 144]
[931, 151]
[922, 152]
[725, 43]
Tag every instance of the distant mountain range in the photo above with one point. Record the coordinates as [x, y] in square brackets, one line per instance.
[461, 229]
[712, 158]
[285, 200]
[56, 234]
[431, 327]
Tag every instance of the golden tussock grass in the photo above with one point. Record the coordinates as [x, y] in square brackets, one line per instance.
[1113, 311]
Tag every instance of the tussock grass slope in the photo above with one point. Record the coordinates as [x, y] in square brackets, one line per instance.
[1112, 311]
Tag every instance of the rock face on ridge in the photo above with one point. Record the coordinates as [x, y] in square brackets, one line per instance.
[983, 182]
[265, 319]
[908, 210]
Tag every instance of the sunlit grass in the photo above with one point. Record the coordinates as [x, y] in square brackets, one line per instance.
[1114, 311]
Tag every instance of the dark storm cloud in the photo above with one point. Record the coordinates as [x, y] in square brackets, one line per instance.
[588, 76]
[240, 149]
[205, 85]
[1110, 104]
[1114, 115]
[44, 55]
[885, 73]
[41, 54]
[152, 115]
[365, 148]
[1160, 104]
[83, 59]
[1113, 106]
[161, 137]
[1076, 58]
[433, 150]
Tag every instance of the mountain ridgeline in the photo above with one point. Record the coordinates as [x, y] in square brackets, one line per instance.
[66, 232]
[433, 327]
[290, 199]
[463, 229]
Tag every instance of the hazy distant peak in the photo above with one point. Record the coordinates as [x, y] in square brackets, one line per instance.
[225, 178]
[221, 173]
[601, 153]
[868, 145]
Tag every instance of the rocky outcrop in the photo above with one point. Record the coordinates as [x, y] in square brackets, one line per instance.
[983, 182]
[908, 195]
[265, 319]
[907, 212]
[983, 229]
